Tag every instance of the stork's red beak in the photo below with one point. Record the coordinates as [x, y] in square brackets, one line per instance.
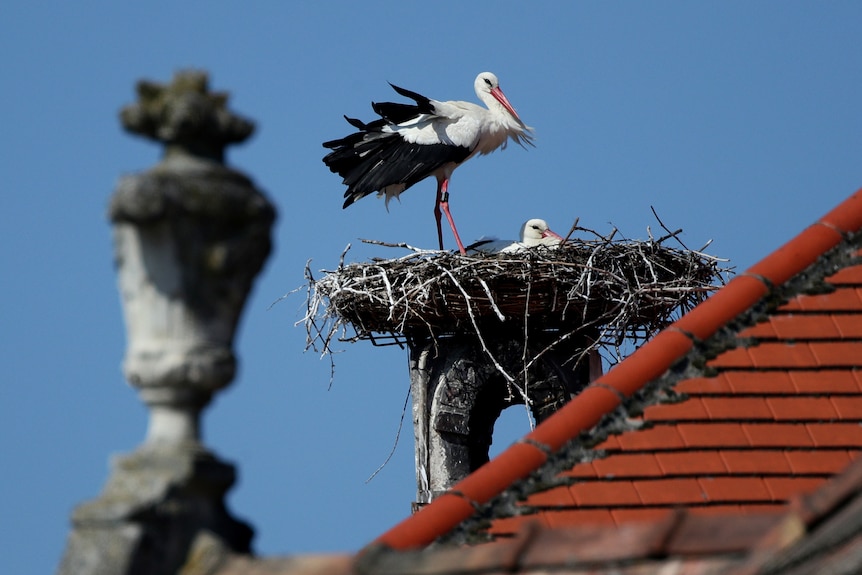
[552, 234]
[501, 97]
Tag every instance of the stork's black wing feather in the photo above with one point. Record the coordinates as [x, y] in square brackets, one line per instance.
[356, 137]
[423, 103]
[395, 112]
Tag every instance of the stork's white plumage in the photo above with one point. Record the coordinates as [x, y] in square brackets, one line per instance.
[412, 142]
[534, 233]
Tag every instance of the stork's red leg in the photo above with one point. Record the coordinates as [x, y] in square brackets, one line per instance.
[441, 187]
[443, 203]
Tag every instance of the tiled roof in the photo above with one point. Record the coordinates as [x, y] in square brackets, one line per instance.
[750, 399]
[817, 533]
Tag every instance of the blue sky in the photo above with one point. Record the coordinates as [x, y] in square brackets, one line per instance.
[739, 121]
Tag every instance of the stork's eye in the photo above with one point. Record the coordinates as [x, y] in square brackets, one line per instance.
[487, 81]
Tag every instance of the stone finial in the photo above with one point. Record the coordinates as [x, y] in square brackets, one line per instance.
[190, 235]
[186, 116]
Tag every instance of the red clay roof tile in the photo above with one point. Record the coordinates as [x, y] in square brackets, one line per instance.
[606, 493]
[842, 299]
[664, 350]
[699, 435]
[847, 276]
[446, 511]
[508, 526]
[557, 496]
[761, 508]
[824, 462]
[835, 434]
[736, 408]
[796, 326]
[755, 461]
[624, 516]
[848, 407]
[627, 465]
[693, 409]
[762, 330]
[847, 216]
[600, 544]
[712, 534]
[720, 509]
[582, 470]
[848, 326]
[670, 491]
[825, 381]
[612, 443]
[778, 434]
[783, 488]
[797, 254]
[785, 355]
[734, 489]
[760, 382]
[705, 385]
[801, 408]
[580, 414]
[579, 516]
[691, 462]
[658, 437]
[837, 354]
[514, 463]
[734, 358]
[737, 296]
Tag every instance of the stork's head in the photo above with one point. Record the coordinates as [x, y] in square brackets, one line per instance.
[487, 84]
[536, 232]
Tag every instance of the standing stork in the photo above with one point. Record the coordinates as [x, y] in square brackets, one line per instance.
[412, 142]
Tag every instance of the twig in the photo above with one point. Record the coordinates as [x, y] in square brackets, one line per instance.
[665, 228]
[395, 444]
[571, 231]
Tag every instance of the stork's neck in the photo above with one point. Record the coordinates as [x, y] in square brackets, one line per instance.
[503, 116]
[493, 105]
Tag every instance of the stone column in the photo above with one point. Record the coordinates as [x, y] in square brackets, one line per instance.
[190, 236]
[459, 392]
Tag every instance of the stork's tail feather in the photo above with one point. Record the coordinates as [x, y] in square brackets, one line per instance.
[358, 159]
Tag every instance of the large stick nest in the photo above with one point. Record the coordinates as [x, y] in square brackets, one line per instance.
[618, 288]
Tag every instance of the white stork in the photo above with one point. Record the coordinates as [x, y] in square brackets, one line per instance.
[534, 233]
[412, 142]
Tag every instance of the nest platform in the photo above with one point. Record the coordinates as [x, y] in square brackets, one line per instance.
[617, 288]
